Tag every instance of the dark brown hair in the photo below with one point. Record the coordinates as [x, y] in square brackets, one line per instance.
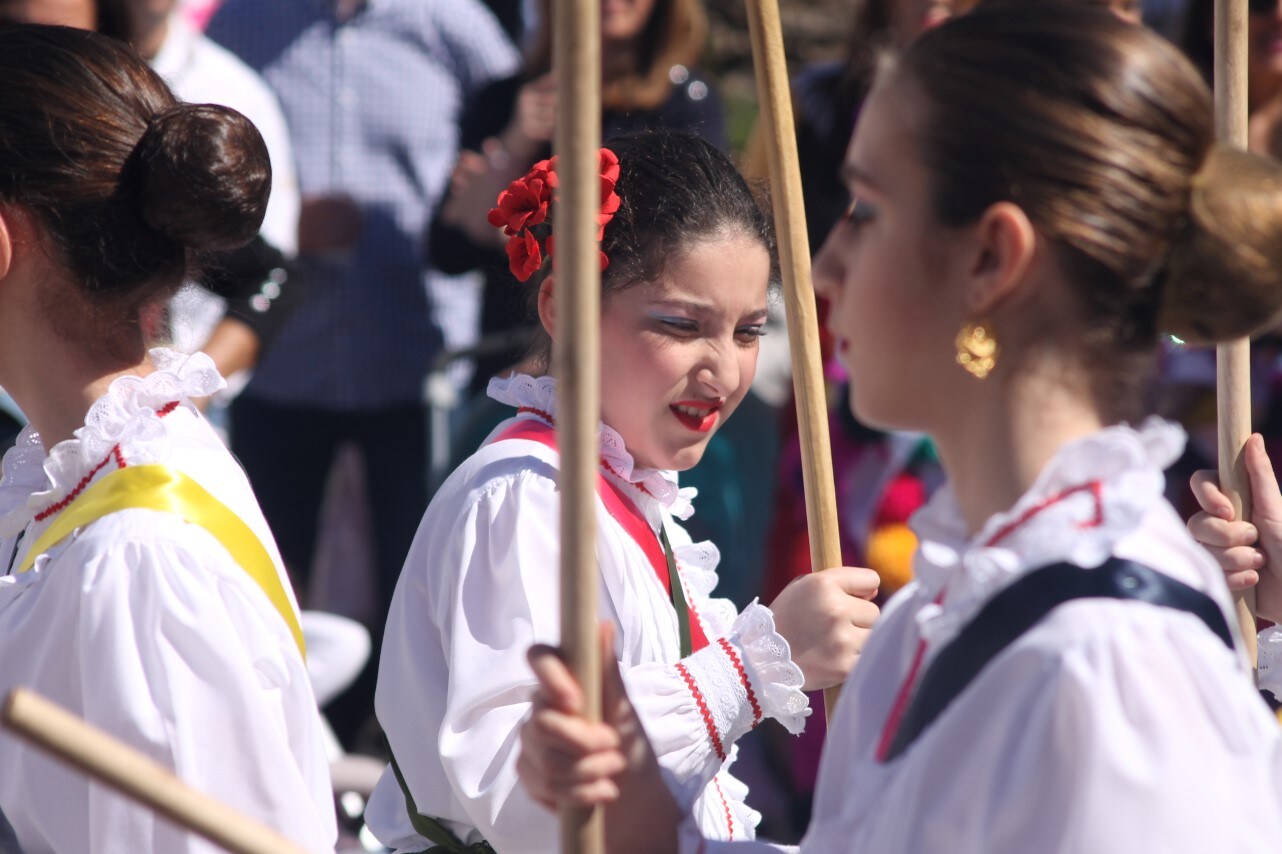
[675, 190]
[674, 35]
[125, 182]
[1102, 133]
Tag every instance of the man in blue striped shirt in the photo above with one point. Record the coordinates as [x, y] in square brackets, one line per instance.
[371, 91]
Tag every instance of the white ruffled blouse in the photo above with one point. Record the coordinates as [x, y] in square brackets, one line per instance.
[481, 585]
[1110, 726]
[146, 627]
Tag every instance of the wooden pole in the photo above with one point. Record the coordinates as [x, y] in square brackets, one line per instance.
[775, 98]
[577, 289]
[1233, 360]
[110, 761]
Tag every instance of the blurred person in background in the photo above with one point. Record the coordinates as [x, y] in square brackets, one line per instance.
[372, 93]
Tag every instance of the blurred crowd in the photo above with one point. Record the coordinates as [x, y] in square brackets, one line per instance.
[363, 325]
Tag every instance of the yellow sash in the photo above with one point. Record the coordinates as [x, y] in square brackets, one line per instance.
[157, 487]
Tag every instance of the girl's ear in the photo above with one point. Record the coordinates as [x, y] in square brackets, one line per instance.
[6, 240]
[547, 307]
[1005, 242]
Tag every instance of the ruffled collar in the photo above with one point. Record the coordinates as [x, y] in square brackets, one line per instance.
[1095, 491]
[647, 485]
[126, 416]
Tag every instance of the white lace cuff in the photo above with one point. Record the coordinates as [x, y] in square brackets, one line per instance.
[740, 679]
[1269, 666]
[769, 663]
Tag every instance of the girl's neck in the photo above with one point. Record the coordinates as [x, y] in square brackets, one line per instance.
[53, 375]
[65, 395]
[55, 380]
[994, 452]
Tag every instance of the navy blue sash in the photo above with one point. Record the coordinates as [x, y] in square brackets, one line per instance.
[1021, 606]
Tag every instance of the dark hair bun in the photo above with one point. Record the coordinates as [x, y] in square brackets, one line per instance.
[1224, 275]
[203, 176]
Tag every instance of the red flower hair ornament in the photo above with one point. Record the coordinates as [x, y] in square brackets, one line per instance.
[523, 208]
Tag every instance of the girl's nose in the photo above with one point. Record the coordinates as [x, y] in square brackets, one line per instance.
[719, 373]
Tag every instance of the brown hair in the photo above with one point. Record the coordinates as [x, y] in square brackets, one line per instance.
[1102, 133]
[676, 190]
[125, 182]
[674, 35]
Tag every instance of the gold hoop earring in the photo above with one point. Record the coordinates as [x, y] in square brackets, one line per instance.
[977, 350]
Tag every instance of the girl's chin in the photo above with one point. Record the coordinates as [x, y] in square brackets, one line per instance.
[684, 459]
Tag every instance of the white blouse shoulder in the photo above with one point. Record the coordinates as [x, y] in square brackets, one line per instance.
[145, 626]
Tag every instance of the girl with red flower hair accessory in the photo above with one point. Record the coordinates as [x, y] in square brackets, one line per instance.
[687, 260]
[523, 206]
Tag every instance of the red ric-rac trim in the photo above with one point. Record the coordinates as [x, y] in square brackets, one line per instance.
[703, 710]
[546, 416]
[114, 454]
[1095, 488]
[725, 805]
[743, 677]
[901, 698]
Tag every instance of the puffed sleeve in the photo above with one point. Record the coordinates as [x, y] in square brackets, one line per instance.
[174, 652]
[696, 709]
[1146, 736]
[480, 587]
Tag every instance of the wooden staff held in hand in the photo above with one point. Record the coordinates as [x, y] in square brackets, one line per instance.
[799, 296]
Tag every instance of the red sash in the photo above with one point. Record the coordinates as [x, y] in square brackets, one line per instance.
[622, 510]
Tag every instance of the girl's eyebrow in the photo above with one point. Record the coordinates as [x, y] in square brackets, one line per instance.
[693, 306]
[854, 174]
[703, 308]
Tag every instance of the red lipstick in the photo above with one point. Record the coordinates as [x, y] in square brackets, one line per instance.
[697, 415]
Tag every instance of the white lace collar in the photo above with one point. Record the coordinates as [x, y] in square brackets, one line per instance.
[1091, 494]
[127, 416]
[648, 485]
